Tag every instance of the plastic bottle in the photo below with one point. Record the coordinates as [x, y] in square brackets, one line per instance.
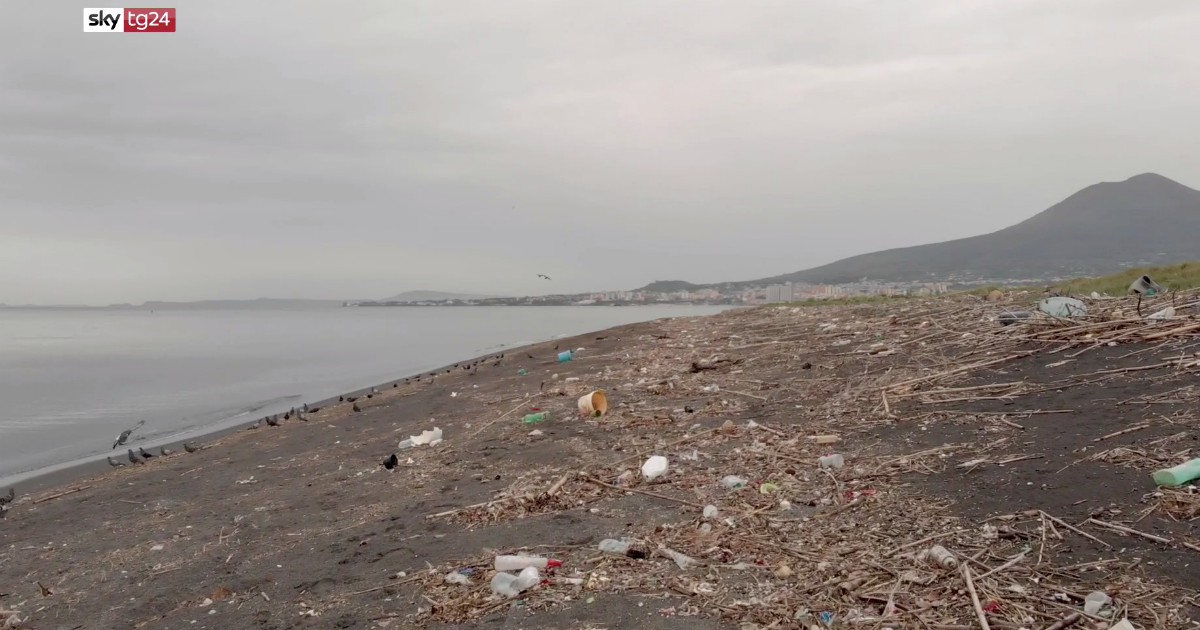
[517, 563]
[608, 545]
[942, 557]
[1178, 475]
[535, 418]
[831, 461]
[655, 467]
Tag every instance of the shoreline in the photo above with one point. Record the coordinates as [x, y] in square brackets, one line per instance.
[65, 473]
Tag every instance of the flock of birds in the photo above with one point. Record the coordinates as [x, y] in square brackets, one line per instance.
[141, 456]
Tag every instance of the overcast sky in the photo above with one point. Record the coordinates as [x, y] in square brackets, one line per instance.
[357, 149]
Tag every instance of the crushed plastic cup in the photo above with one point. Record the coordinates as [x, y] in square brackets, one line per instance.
[711, 511]
[734, 482]
[565, 356]
[655, 467]
[831, 461]
[711, 389]
[1166, 313]
[1095, 602]
[454, 577]
[625, 478]
[609, 545]
[431, 437]
[509, 585]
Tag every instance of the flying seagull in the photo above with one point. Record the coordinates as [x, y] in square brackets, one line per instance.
[542, 275]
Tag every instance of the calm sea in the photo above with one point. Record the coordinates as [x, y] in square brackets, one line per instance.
[72, 380]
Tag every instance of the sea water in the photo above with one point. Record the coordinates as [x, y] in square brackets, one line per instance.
[72, 379]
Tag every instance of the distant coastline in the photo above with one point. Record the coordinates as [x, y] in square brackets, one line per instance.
[531, 302]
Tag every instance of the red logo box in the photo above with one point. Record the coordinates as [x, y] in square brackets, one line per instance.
[149, 20]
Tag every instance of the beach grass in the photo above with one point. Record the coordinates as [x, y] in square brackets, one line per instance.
[1172, 278]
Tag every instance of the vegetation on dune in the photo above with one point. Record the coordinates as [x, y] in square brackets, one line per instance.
[1171, 277]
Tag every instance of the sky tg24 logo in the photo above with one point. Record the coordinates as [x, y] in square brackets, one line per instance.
[129, 20]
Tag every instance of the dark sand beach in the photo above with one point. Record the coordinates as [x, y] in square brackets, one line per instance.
[1025, 451]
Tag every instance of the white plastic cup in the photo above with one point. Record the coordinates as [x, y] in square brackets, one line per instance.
[1095, 602]
[593, 404]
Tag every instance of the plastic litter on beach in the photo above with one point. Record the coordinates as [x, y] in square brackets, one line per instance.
[1095, 601]
[831, 461]
[734, 482]
[432, 437]
[535, 418]
[1064, 307]
[1178, 475]
[1166, 313]
[593, 404]
[454, 577]
[509, 585]
[516, 563]
[655, 467]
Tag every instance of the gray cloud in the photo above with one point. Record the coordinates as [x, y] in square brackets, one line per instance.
[314, 149]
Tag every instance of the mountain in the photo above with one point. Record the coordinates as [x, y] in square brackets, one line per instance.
[1144, 220]
[432, 296]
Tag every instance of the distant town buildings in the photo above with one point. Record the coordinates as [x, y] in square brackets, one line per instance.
[769, 294]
